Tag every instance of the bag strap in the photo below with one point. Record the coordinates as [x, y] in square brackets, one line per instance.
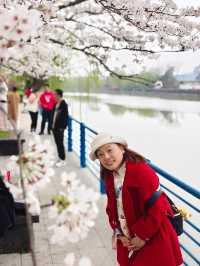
[153, 198]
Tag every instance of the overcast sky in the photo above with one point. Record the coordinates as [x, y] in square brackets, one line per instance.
[185, 3]
[183, 62]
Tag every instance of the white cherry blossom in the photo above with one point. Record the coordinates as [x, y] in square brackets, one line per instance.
[70, 260]
[73, 212]
[62, 32]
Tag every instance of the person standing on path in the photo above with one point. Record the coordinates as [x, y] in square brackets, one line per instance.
[13, 99]
[26, 94]
[47, 102]
[3, 103]
[32, 107]
[141, 237]
[60, 119]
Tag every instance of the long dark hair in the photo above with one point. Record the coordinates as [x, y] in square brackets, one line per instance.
[129, 155]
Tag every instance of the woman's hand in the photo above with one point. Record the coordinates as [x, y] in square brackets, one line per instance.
[114, 241]
[136, 243]
[125, 240]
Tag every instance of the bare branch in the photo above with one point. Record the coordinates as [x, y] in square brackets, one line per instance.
[72, 3]
[135, 78]
[9, 67]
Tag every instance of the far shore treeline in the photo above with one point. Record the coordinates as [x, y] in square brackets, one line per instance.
[144, 85]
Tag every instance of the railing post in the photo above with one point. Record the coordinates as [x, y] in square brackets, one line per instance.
[82, 145]
[102, 187]
[70, 143]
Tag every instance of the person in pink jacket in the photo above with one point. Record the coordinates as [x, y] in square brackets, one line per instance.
[47, 102]
[141, 237]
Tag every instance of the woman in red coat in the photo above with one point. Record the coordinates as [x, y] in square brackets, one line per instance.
[142, 237]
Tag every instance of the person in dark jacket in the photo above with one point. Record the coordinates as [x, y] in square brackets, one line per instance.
[60, 119]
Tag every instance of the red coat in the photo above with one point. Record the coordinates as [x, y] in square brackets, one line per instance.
[47, 100]
[162, 247]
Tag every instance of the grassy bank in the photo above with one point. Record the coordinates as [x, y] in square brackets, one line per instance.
[6, 134]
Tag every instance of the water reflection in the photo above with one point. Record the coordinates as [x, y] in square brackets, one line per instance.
[166, 116]
[94, 104]
[91, 101]
[171, 117]
[117, 110]
[167, 132]
[85, 99]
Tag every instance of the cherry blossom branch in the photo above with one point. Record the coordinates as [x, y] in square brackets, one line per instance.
[134, 78]
[72, 3]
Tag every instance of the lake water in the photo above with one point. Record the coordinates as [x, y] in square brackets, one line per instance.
[165, 131]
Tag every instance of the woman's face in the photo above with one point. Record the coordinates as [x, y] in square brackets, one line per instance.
[111, 156]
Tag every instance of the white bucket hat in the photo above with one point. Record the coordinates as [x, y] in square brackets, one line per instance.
[102, 139]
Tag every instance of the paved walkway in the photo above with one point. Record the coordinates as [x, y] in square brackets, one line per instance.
[97, 245]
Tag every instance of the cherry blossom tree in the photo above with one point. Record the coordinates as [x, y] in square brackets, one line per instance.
[95, 31]
[42, 38]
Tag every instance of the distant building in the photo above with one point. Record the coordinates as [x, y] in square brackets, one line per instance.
[190, 85]
[158, 85]
[189, 81]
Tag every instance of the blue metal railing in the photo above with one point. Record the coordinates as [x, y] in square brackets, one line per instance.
[79, 138]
